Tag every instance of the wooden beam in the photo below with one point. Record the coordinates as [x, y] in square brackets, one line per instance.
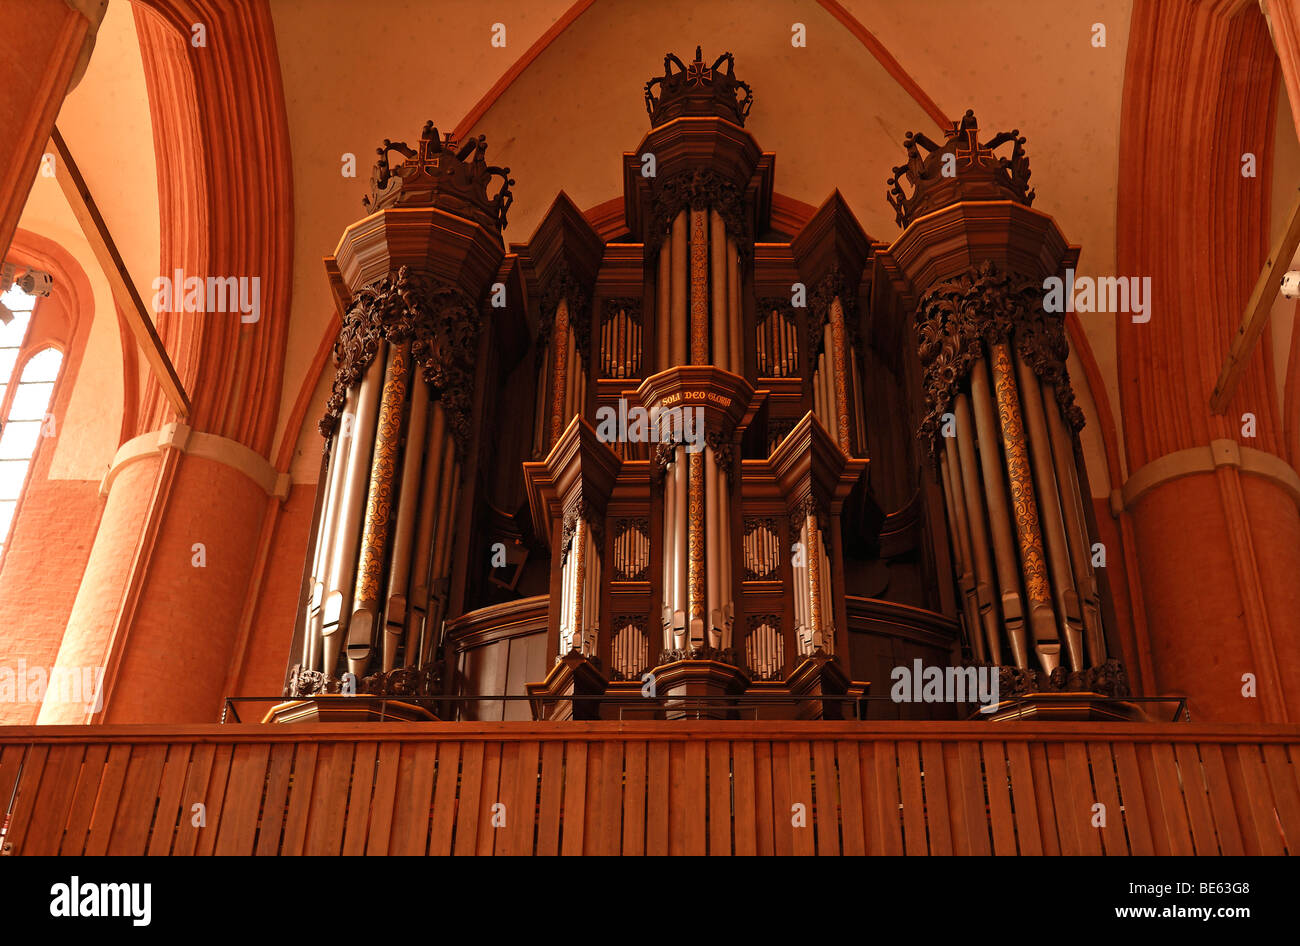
[1257, 312]
[119, 280]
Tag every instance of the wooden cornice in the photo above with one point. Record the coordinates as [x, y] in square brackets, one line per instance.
[448, 247]
[579, 467]
[565, 240]
[690, 143]
[809, 464]
[832, 239]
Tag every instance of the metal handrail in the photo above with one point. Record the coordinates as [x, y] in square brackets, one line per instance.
[753, 701]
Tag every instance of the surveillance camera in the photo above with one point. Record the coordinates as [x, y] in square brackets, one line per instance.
[35, 283]
[1291, 284]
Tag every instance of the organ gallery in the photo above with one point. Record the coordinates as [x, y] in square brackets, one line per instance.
[812, 409]
[592, 427]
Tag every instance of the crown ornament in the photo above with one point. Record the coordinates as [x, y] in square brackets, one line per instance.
[696, 89]
[959, 169]
[444, 173]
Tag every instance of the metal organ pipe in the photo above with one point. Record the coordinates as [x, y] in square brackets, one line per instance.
[721, 299]
[1004, 549]
[338, 599]
[418, 599]
[663, 307]
[735, 308]
[680, 290]
[340, 449]
[367, 594]
[397, 615]
[1075, 525]
[967, 481]
[1065, 597]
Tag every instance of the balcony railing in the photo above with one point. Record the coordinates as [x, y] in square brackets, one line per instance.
[653, 788]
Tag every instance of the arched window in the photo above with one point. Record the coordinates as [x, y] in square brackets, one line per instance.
[25, 395]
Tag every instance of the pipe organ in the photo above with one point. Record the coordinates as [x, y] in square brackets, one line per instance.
[689, 379]
[410, 279]
[1000, 418]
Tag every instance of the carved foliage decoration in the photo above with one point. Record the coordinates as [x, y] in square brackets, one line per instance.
[959, 320]
[442, 324]
[562, 284]
[834, 284]
[699, 189]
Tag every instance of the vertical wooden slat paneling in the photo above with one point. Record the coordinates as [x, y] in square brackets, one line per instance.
[938, 813]
[634, 761]
[1103, 777]
[1069, 815]
[387, 766]
[851, 814]
[969, 784]
[1156, 814]
[1047, 821]
[999, 790]
[489, 796]
[442, 824]
[826, 780]
[1226, 824]
[801, 790]
[1198, 805]
[1083, 796]
[695, 826]
[304, 776]
[110, 795]
[1165, 768]
[1258, 798]
[603, 791]
[909, 778]
[11, 763]
[658, 797]
[745, 843]
[575, 797]
[887, 786]
[518, 790]
[1286, 795]
[1134, 799]
[1025, 806]
[196, 781]
[764, 810]
[44, 831]
[326, 822]
[548, 819]
[591, 839]
[511, 797]
[216, 798]
[719, 762]
[363, 783]
[610, 821]
[243, 799]
[274, 809]
[33, 770]
[471, 792]
[782, 802]
[170, 791]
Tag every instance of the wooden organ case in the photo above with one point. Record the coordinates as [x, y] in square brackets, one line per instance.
[661, 461]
